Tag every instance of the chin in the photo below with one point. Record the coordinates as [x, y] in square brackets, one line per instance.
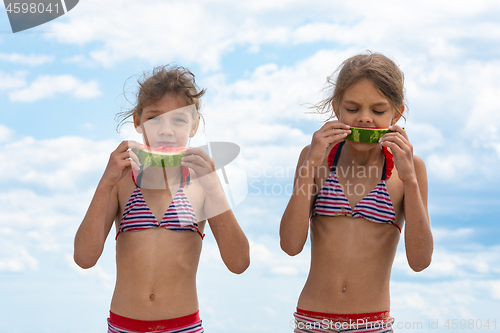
[363, 146]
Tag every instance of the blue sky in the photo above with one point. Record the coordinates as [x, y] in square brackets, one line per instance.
[62, 83]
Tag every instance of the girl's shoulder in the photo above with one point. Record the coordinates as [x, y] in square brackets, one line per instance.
[305, 149]
[420, 168]
[303, 154]
[127, 183]
[418, 162]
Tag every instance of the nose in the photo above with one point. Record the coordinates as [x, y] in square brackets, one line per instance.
[165, 129]
[364, 117]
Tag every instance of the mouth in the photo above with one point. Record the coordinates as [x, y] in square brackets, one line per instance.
[166, 144]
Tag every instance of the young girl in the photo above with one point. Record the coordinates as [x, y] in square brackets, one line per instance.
[159, 214]
[357, 196]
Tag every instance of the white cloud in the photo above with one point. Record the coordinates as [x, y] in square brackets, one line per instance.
[54, 164]
[266, 257]
[266, 120]
[178, 23]
[443, 234]
[47, 186]
[443, 79]
[270, 94]
[450, 167]
[453, 112]
[426, 137]
[105, 278]
[6, 133]
[79, 59]
[495, 286]
[21, 209]
[14, 257]
[483, 120]
[442, 301]
[204, 31]
[12, 81]
[47, 86]
[471, 261]
[31, 60]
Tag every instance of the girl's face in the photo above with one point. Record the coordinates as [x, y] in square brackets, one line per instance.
[364, 106]
[168, 122]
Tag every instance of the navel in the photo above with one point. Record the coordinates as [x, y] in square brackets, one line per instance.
[343, 289]
[152, 297]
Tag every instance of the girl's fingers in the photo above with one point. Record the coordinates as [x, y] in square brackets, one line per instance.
[395, 148]
[134, 161]
[197, 151]
[394, 142]
[123, 146]
[136, 166]
[397, 138]
[134, 144]
[199, 157]
[123, 156]
[335, 133]
[196, 161]
[334, 125]
[134, 157]
[329, 137]
[399, 129]
[331, 133]
[128, 144]
[398, 132]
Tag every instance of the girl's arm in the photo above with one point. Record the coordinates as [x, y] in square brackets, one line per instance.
[295, 221]
[95, 227]
[412, 172]
[418, 235]
[232, 242]
[294, 225]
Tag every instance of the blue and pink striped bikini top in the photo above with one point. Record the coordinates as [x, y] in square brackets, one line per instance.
[179, 215]
[376, 206]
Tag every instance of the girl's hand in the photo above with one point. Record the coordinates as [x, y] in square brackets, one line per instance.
[402, 151]
[203, 167]
[120, 162]
[325, 139]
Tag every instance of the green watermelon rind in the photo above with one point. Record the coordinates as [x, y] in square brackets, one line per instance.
[367, 135]
[158, 160]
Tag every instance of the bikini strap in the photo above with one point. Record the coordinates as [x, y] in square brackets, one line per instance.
[388, 164]
[137, 176]
[333, 157]
[185, 176]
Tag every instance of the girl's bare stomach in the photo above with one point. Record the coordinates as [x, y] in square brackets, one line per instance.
[351, 261]
[156, 274]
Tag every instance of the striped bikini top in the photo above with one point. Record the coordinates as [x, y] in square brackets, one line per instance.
[179, 215]
[376, 206]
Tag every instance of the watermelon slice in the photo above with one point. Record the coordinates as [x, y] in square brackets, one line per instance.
[368, 135]
[160, 156]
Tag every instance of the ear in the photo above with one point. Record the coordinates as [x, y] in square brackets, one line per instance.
[194, 128]
[397, 114]
[137, 124]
